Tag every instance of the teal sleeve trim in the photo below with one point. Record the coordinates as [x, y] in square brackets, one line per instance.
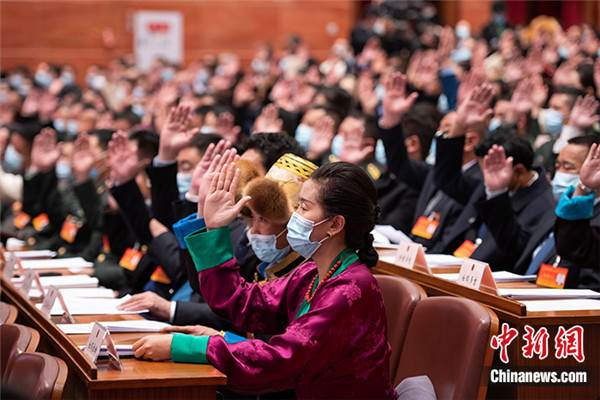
[187, 225]
[189, 348]
[232, 338]
[210, 248]
[575, 208]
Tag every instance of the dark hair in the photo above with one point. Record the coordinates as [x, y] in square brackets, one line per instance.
[132, 118]
[347, 190]
[104, 136]
[514, 146]
[571, 92]
[586, 75]
[422, 120]
[369, 123]
[272, 146]
[147, 143]
[203, 140]
[586, 141]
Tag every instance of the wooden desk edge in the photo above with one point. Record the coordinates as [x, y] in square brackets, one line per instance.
[82, 366]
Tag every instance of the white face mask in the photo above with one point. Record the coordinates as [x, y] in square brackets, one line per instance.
[265, 247]
[298, 236]
[561, 182]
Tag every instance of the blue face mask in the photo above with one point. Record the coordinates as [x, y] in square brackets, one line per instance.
[298, 236]
[63, 170]
[430, 159]
[13, 161]
[336, 145]
[59, 124]
[499, 19]
[94, 174]
[72, 127]
[494, 124]
[462, 32]
[264, 246]
[563, 52]
[461, 54]
[553, 121]
[184, 182]
[561, 182]
[67, 78]
[138, 91]
[304, 134]
[167, 74]
[43, 78]
[380, 153]
[138, 110]
[15, 81]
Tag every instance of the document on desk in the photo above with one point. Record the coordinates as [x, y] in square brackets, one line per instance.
[435, 260]
[115, 327]
[64, 281]
[499, 276]
[74, 262]
[561, 305]
[80, 292]
[34, 254]
[124, 350]
[532, 294]
[83, 306]
[393, 235]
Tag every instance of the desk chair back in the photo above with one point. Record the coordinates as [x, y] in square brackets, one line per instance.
[38, 376]
[14, 340]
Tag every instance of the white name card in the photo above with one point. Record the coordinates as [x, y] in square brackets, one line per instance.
[9, 266]
[49, 300]
[411, 256]
[98, 336]
[27, 282]
[477, 275]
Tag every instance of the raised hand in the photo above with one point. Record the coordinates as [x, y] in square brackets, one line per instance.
[539, 94]
[174, 134]
[590, 170]
[159, 307]
[366, 93]
[196, 330]
[226, 127]
[474, 111]
[522, 100]
[268, 120]
[584, 113]
[123, 158]
[244, 93]
[220, 208]
[322, 138]
[395, 101]
[213, 170]
[471, 80]
[353, 150]
[497, 169]
[45, 152]
[445, 46]
[83, 158]
[562, 75]
[211, 152]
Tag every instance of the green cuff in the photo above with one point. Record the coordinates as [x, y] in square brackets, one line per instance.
[209, 249]
[189, 348]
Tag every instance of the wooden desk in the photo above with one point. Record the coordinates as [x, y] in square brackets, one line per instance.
[516, 315]
[139, 379]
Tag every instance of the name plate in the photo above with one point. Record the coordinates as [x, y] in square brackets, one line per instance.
[411, 256]
[477, 275]
[98, 336]
[49, 300]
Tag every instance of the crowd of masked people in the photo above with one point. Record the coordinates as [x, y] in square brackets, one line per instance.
[478, 146]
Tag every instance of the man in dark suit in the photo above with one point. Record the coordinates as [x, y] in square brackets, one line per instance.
[436, 213]
[513, 196]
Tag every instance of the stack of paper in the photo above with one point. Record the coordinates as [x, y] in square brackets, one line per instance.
[562, 305]
[115, 327]
[34, 254]
[548, 293]
[434, 260]
[75, 262]
[388, 236]
[80, 292]
[65, 281]
[499, 276]
[84, 306]
[123, 350]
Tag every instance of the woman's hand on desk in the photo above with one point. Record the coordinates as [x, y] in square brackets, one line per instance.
[159, 308]
[196, 330]
[153, 347]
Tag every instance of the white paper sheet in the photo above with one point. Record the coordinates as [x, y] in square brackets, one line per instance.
[115, 327]
[392, 234]
[24, 255]
[499, 276]
[80, 292]
[562, 305]
[81, 306]
[74, 262]
[123, 350]
[434, 260]
[14, 244]
[64, 281]
[548, 293]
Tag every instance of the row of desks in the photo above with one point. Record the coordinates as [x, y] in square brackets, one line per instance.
[138, 380]
[143, 379]
[515, 314]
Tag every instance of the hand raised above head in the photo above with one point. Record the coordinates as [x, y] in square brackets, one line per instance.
[45, 151]
[122, 157]
[590, 170]
[220, 208]
[175, 133]
[396, 102]
[497, 169]
[83, 157]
